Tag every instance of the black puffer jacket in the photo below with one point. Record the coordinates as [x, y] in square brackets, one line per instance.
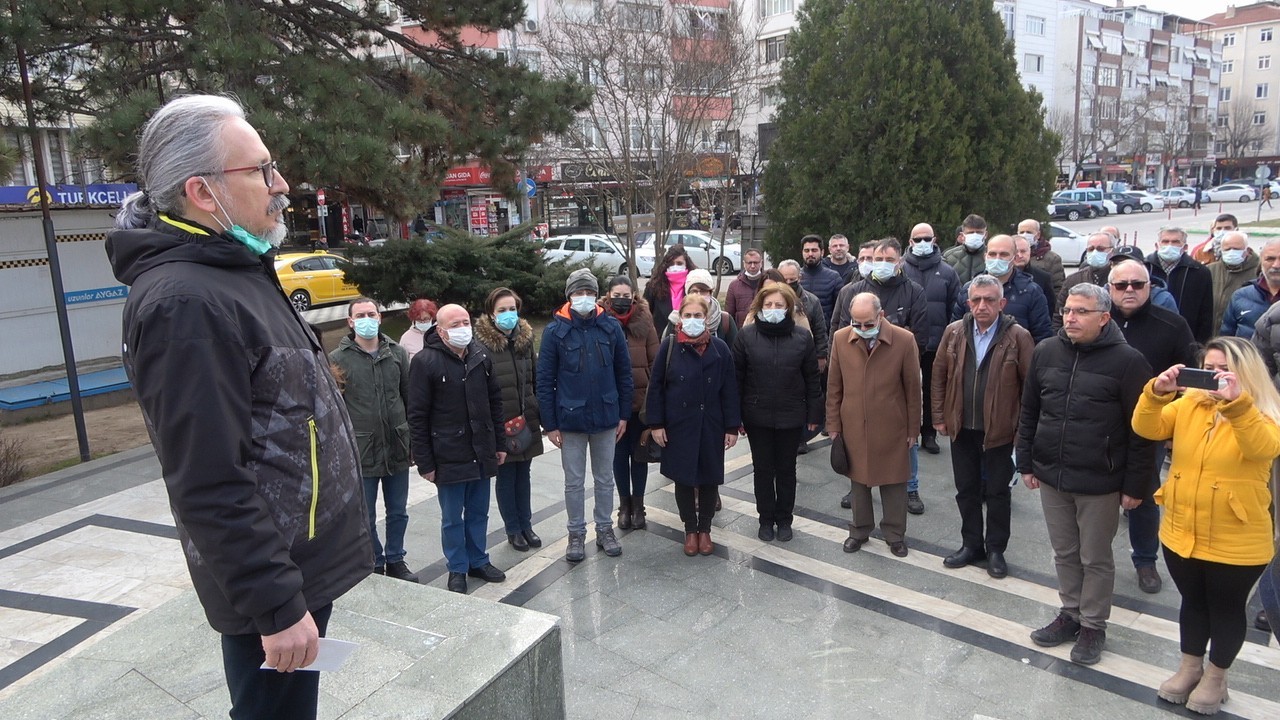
[513, 363]
[257, 451]
[940, 284]
[778, 381]
[903, 301]
[1074, 433]
[1192, 287]
[455, 412]
[1162, 336]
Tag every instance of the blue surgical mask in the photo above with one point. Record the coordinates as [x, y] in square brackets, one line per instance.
[1097, 258]
[582, 304]
[251, 241]
[997, 266]
[1233, 257]
[1169, 253]
[871, 334]
[367, 327]
[974, 241]
[922, 249]
[693, 327]
[773, 315]
[424, 326]
[883, 270]
[506, 321]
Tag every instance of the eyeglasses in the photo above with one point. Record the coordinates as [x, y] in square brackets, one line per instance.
[926, 238]
[983, 300]
[1126, 284]
[268, 170]
[863, 326]
[1079, 311]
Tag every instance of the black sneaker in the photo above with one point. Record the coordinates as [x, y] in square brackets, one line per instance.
[915, 505]
[1088, 649]
[846, 502]
[400, 571]
[1062, 629]
[766, 532]
[379, 570]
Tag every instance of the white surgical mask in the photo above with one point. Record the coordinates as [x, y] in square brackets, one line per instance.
[459, 337]
[922, 249]
[1233, 257]
[883, 270]
[773, 315]
[974, 241]
[1169, 253]
[751, 275]
[864, 269]
[1096, 258]
[582, 304]
[693, 327]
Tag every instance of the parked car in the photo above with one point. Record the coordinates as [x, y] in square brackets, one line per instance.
[1147, 201]
[311, 279]
[1068, 243]
[1095, 198]
[1179, 197]
[1231, 192]
[1070, 209]
[1125, 205]
[701, 245]
[600, 250]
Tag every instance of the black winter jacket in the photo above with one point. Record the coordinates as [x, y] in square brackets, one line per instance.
[455, 412]
[1074, 432]
[1192, 287]
[778, 381]
[940, 284]
[1161, 335]
[513, 364]
[824, 283]
[903, 301]
[257, 451]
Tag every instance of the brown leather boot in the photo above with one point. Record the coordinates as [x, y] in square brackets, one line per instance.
[624, 512]
[1210, 692]
[637, 512]
[1177, 688]
[691, 544]
[704, 543]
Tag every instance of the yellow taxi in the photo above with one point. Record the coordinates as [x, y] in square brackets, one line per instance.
[315, 278]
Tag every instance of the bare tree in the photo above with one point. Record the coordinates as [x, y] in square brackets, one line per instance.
[670, 82]
[1240, 133]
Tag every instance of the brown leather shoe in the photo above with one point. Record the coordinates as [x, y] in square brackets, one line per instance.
[704, 543]
[691, 544]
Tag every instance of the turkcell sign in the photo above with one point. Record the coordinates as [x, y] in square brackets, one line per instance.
[110, 195]
[77, 297]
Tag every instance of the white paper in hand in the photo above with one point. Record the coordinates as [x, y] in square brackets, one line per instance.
[331, 656]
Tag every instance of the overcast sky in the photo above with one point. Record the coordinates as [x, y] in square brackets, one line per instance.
[1195, 9]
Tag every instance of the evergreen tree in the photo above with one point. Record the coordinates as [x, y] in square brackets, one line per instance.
[342, 100]
[902, 111]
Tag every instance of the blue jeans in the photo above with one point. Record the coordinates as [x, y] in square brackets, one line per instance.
[913, 482]
[464, 523]
[573, 460]
[630, 473]
[1144, 521]
[512, 489]
[395, 495]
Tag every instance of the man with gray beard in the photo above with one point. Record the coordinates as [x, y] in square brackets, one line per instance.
[257, 451]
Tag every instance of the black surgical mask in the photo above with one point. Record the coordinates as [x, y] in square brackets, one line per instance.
[621, 306]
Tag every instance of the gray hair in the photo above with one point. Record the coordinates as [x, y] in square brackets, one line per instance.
[789, 263]
[1101, 298]
[985, 280]
[1111, 238]
[875, 301]
[180, 141]
[1182, 234]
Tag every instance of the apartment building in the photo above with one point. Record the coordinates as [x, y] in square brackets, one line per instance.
[1248, 118]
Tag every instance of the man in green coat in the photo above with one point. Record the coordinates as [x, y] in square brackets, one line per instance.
[373, 372]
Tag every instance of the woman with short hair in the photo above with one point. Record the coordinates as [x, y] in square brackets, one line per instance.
[422, 318]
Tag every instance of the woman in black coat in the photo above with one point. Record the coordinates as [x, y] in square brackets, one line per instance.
[781, 391]
[692, 408]
[509, 339]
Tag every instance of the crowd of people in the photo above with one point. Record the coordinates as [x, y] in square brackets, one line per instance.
[1078, 386]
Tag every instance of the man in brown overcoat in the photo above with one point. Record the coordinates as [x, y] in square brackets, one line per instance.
[873, 407]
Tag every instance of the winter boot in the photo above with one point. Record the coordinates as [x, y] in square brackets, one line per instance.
[624, 512]
[637, 512]
[1210, 692]
[1177, 688]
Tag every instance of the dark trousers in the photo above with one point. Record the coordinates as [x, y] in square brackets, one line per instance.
[773, 454]
[512, 489]
[982, 476]
[258, 694]
[630, 472]
[926, 373]
[1214, 597]
[697, 505]
[893, 502]
[1144, 521]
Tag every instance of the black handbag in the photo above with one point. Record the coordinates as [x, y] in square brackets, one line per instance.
[839, 456]
[650, 451]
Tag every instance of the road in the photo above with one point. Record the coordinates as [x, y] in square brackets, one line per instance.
[1142, 229]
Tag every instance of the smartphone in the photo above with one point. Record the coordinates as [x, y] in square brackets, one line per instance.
[1195, 378]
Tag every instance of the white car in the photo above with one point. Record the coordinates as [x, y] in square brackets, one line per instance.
[1231, 192]
[600, 250]
[1068, 243]
[1150, 201]
[701, 245]
[1182, 197]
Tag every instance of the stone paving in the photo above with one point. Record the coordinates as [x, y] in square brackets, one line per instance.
[757, 630]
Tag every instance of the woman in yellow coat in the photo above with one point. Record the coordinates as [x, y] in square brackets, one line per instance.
[1216, 530]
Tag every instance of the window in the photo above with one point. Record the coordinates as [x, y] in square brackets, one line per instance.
[1220, 147]
[1034, 25]
[590, 71]
[1262, 91]
[1264, 62]
[531, 59]
[638, 16]
[600, 246]
[1174, 54]
[1228, 66]
[1224, 94]
[646, 134]
[766, 134]
[1260, 118]
[701, 23]
[586, 134]
[770, 96]
[1264, 35]
[575, 244]
[1090, 74]
[1256, 145]
[1107, 76]
[1007, 14]
[773, 49]
[1107, 110]
[769, 8]
[1127, 78]
[1223, 121]
[728, 140]
[1229, 40]
[54, 143]
[17, 141]
[1033, 63]
[641, 76]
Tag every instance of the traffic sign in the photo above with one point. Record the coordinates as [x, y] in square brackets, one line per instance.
[1263, 172]
[320, 197]
[530, 187]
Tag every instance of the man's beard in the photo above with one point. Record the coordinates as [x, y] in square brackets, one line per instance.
[811, 262]
[278, 232]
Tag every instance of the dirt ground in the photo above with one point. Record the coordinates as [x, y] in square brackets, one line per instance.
[50, 444]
